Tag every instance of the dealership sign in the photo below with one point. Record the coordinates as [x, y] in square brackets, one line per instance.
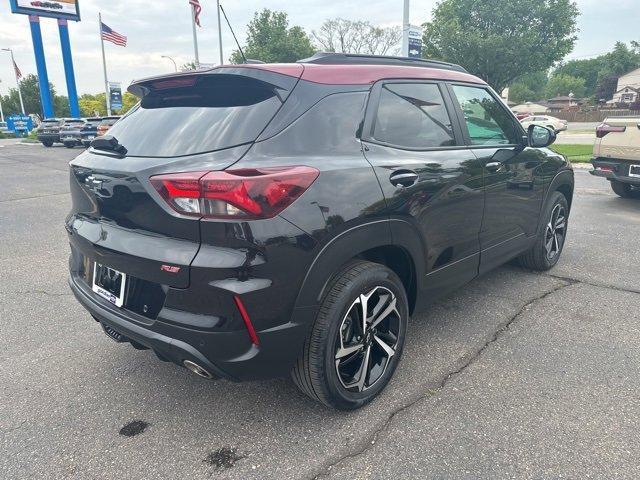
[115, 95]
[67, 9]
[415, 42]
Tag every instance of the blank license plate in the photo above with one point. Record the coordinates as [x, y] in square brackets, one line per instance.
[109, 284]
[634, 171]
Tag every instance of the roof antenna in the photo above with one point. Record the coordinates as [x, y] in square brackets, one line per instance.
[233, 33]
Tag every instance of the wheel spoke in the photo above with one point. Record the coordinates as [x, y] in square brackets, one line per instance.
[385, 313]
[382, 300]
[346, 351]
[363, 370]
[549, 245]
[390, 352]
[556, 244]
[364, 300]
[560, 223]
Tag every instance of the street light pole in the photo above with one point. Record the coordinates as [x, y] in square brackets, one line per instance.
[1, 112]
[13, 65]
[175, 65]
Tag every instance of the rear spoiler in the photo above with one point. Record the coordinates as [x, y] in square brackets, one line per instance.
[282, 76]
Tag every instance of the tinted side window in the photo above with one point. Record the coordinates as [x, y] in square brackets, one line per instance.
[412, 115]
[487, 120]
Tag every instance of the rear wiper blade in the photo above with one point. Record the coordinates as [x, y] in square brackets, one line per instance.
[109, 143]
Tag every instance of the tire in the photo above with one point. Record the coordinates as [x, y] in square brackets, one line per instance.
[47, 144]
[539, 256]
[69, 145]
[621, 189]
[337, 330]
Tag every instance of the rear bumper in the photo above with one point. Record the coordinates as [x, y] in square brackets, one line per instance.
[226, 354]
[619, 170]
[46, 137]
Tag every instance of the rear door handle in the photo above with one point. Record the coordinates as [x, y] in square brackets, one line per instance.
[403, 178]
[493, 166]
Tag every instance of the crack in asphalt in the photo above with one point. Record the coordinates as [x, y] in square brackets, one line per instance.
[37, 292]
[591, 284]
[463, 363]
[33, 197]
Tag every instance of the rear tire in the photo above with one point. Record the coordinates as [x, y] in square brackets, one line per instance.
[341, 345]
[546, 250]
[47, 144]
[69, 145]
[621, 189]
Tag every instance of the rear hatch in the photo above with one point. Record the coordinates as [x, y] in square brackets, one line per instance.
[618, 138]
[198, 122]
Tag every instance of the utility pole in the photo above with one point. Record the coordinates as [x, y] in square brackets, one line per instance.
[406, 26]
[219, 34]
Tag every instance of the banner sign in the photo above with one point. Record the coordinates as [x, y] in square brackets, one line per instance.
[67, 9]
[115, 96]
[19, 124]
[415, 42]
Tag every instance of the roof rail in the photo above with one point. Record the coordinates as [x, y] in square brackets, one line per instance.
[332, 58]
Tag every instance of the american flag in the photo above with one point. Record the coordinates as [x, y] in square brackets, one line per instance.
[18, 72]
[112, 36]
[196, 11]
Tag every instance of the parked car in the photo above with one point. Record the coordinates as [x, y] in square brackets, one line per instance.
[70, 132]
[553, 123]
[106, 124]
[89, 131]
[616, 154]
[4, 129]
[521, 116]
[252, 221]
[48, 132]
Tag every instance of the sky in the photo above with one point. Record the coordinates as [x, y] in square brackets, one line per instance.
[155, 28]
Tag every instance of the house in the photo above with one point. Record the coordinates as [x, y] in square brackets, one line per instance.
[563, 102]
[531, 107]
[626, 94]
[631, 79]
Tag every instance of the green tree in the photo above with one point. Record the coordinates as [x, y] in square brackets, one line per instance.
[561, 84]
[501, 40]
[270, 39]
[588, 70]
[30, 89]
[92, 104]
[529, 87]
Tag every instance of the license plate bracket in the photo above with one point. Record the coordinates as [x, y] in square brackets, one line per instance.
[109, 284]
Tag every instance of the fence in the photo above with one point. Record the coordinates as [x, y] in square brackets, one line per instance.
[595, 115]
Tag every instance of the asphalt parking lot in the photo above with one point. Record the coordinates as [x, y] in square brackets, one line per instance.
[517, 375]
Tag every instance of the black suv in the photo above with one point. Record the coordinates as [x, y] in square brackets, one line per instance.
[252, 221]
[48, 131]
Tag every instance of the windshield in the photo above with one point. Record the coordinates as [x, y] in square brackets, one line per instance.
[214, 112]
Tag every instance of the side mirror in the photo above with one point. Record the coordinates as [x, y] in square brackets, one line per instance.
[539, 136]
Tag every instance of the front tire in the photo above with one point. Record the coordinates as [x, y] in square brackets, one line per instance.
[69, 145]
[47, 144]
[621, 189]
[357, 339]
[546, 250]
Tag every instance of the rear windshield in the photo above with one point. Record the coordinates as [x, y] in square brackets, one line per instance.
[50, 123]
[212, 113]
[74, 122]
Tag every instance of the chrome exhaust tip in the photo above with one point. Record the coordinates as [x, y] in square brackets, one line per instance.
[197, 369]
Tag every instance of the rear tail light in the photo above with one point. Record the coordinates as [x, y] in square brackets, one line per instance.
[605, 169]
[603, 129]
[250, 193]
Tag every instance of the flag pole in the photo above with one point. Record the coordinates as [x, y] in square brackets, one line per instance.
[195, 36]
[104, 66]
[220, 34]
[15, 71]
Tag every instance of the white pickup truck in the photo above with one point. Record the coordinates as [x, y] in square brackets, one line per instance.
[616, 154]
